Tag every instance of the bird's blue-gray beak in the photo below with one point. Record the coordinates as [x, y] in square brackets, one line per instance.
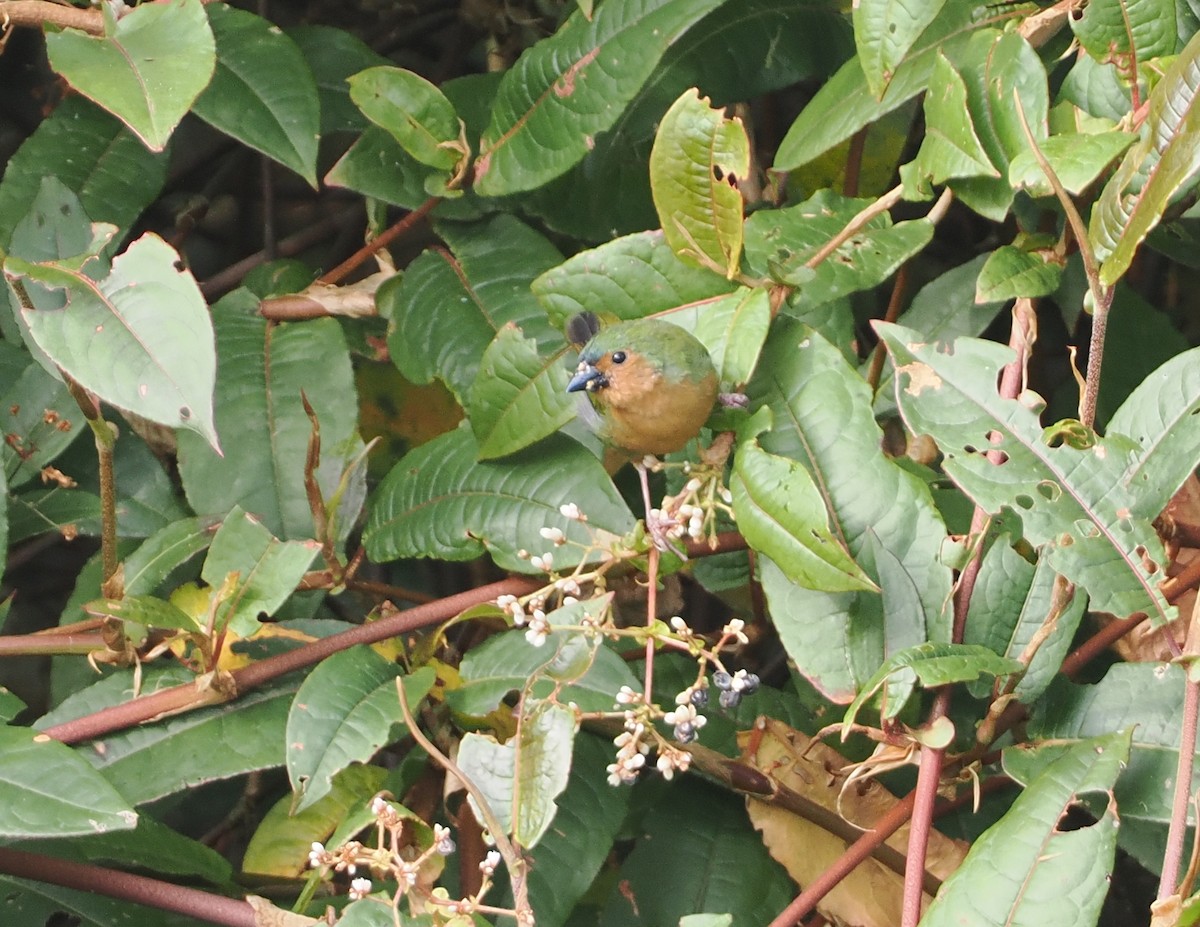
[587, 377]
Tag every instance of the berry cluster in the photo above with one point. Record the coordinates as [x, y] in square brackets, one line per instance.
[732, 688]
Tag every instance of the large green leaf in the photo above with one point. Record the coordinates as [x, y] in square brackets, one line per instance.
[1160, 416]
[1011, 273]
[262, 420]
[268, 570]
[1146, 698]
[845, 103]
[1154, 170]
[344, 712]
[570, 87]
[1077, 159]
[1129, 32]
[519, 396]
[521, 779]
[823, 418]
[141, 338]
[413, 111]
[1024, 869]
[630, 278]
[184, 751]
[48, 790]
[689, 851]
[950, 147]
[148, 67]
[1068, 498]
[699, 156]
[376, 166]
[780, 242]
[723, 57]
[262, 93]
[440, 502]
[884, 31]
[332, 55]
[446, 309]
[582, 672]
[733, 328]
[1011, 602]
[782, 515]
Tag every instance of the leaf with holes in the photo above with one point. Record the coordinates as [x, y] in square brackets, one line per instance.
[1026, 869]
[141, 338]
[1154, 170]
[697, 160]
[573, 85]
[1070, 499]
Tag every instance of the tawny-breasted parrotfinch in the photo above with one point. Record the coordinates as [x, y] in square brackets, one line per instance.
[652, 384]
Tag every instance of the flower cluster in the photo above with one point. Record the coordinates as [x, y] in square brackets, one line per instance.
[632, 747]
[390, 859]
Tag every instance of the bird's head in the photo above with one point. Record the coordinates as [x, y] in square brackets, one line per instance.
[652, 382]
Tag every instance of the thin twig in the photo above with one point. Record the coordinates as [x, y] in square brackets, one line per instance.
[1177, 829]
[379, 242]
[877, 208]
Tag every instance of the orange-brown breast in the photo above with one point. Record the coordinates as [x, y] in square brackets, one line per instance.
[648, 414]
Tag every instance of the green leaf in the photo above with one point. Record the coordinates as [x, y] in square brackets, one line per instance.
[1011, 273]
[723, 55]
[1024, 869]
[160, 554]
[141, 338]
[884, 31]
[688, 835]
[1146, 698]
[733, 328]
[780, 242]
[1164, 162]
[521, 779]
[268, 570]
[414, 111]
[344, 712]
[262, 93]
[1069, 499]
[1128, 32]
[1160, 417]
[282, 841]
[333, 55]
[376, 166]
[782, 515]
[571, 854]
[1001, 70]
[181, 752]
[440, 502]
[950, 147]
[934, 664]
[38, 511]
[508, 662]
[262, 420]
[699, 156]
[630, 278]
[444, 311]
[1077, 160]
[570, 87]
[144, 610]
[48, 790]
[1011, 602]
[823, 418]
[845, 103]
[147, 69]
[519, 397]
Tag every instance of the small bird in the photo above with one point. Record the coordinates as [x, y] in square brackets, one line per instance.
[652, 383]
[653, 386]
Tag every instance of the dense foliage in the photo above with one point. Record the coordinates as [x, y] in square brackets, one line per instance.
[342, 607]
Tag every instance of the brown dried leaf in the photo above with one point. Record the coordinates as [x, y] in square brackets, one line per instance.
[871, 895]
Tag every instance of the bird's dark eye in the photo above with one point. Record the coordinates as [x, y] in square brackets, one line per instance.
[618, 357]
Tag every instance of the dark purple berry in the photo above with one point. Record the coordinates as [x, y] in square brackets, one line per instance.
[685, 733]
[722, 680]
[750, 684]
[729, 699]
[699, 697]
